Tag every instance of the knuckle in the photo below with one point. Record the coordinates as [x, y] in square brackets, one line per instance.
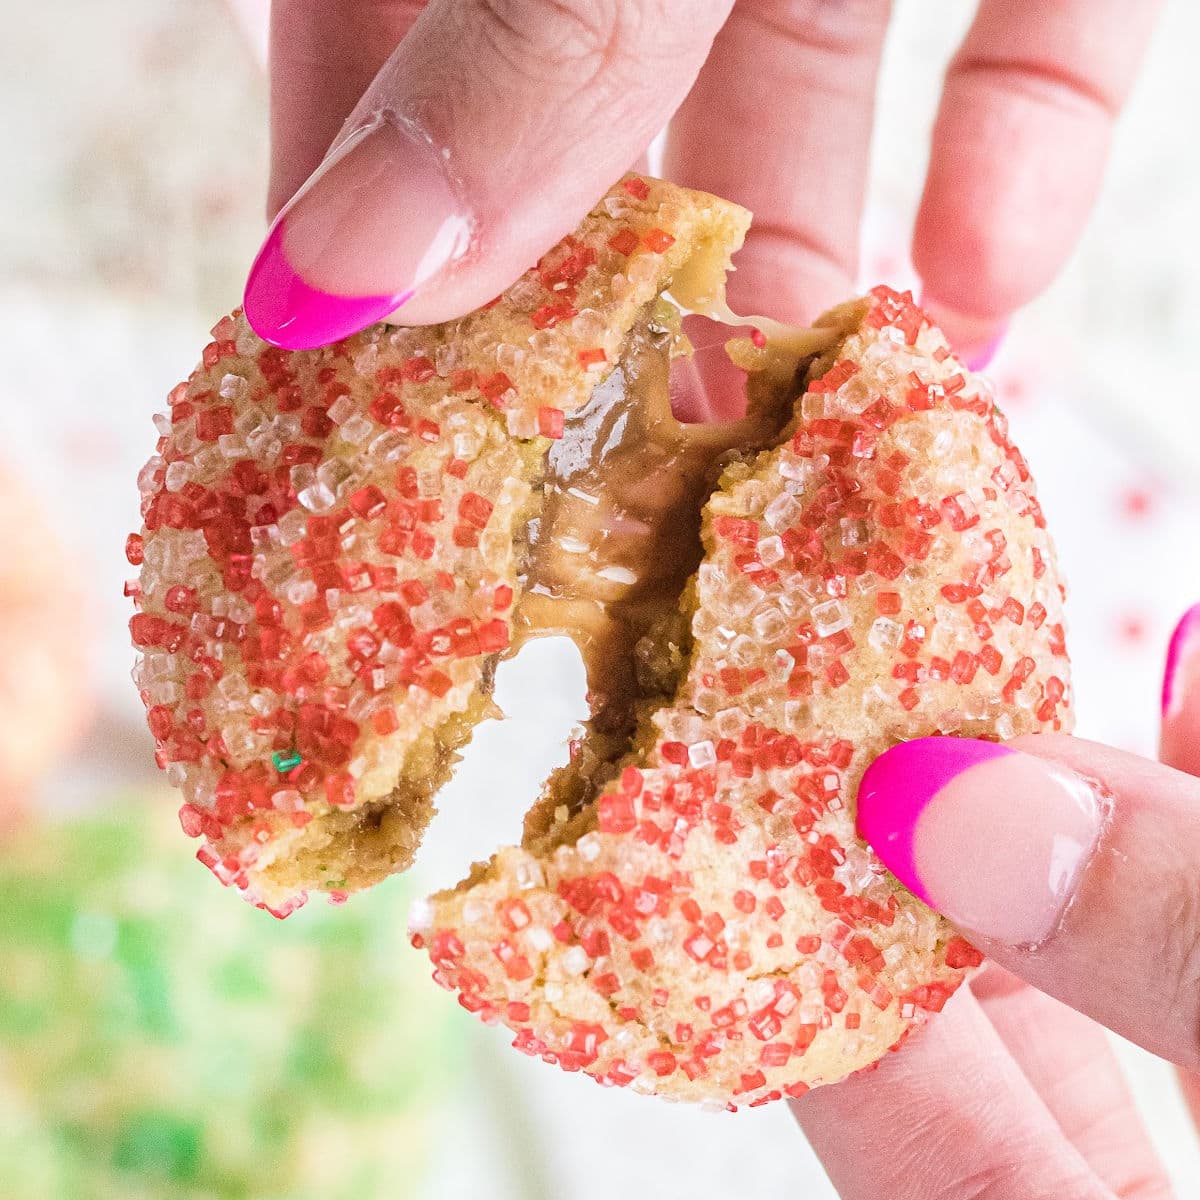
[552, 38]
[1031, 80]
[843, 28]
[1022, 1168]
[1181, 949]
[580, 42]
[1014, 1160]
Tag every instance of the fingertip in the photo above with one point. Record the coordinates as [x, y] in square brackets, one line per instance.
[1179, 739]
[482, 141]
[975, 339]
[787, 277]
[896, 790]
[1180, 649]
[994, 839]
[1019, 149]
[379, 222]
[286, 311]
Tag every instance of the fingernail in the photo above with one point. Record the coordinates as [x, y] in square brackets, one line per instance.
[1183, 661]
[994, 839]
[378, 221]
[1179, 738]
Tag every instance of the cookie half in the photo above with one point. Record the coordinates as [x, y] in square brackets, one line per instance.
[334, 542]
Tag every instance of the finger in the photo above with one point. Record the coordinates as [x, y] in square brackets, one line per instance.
[780, 121]
[1070, 1064]
[1190, 1085]
[1019, 149]
[323, 56]
[948, 1118]
[1179, 746]
[1070, 864]
[486, 136]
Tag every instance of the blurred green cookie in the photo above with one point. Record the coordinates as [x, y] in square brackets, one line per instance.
[158, 1042]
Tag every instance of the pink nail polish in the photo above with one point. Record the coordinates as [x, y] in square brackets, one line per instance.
[994, 839]
[378, 220]
[1181, 649]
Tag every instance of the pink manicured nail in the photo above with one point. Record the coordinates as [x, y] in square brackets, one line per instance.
[1182, 652]
[1179, 741]
[992, 838]
[378, 220]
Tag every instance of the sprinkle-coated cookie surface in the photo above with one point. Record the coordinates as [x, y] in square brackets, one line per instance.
[339, 545]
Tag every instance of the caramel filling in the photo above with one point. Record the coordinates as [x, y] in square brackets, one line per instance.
[618, 534]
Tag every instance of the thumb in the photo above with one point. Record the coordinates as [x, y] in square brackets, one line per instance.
[485, 138]
[1071, 864]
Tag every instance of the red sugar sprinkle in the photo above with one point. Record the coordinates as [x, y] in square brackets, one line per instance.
[550, 315]
[990, 659]
[493, 636]
[475, 509]
[367, 502]
[661, 1062]
[180, 599]
[339, 790]
[551, 421]
[214, 423]
[385, 721]
[674, 752]
[615, 814]
[887, 603]
[624, 241]
[495, 386]
[961, 954]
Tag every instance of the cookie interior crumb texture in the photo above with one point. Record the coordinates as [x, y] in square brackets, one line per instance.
[340, 544]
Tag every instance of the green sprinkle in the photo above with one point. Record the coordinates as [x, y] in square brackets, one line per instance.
[285, 760]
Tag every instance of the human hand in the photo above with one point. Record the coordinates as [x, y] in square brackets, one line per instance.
[505, 121]
[1073, 866]
[470, 135]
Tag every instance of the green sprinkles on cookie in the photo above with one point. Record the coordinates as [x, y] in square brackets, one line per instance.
[285, 760]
